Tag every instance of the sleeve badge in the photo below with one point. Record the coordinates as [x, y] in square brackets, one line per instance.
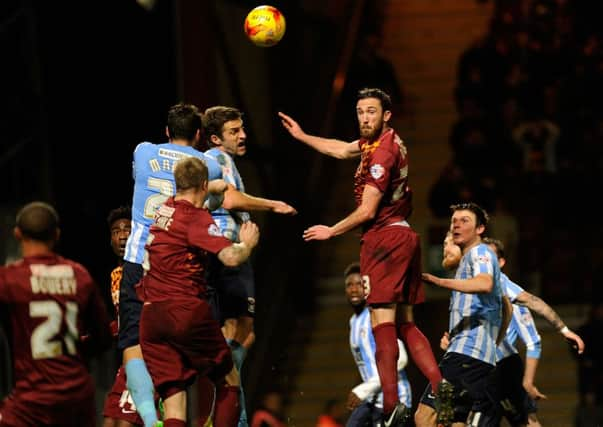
[376, 171]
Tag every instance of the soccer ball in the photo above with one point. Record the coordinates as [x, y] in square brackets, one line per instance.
[265, 26]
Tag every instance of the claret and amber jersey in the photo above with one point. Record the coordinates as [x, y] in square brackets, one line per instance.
[384, 165]
[51, 302]
[182, 238]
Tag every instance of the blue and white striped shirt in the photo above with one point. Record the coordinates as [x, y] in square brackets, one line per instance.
[362, 344]
[475, 318]
[522, 325]
[229, 225]
[153, 173]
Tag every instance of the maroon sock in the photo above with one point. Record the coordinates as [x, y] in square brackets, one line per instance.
[420, 351]
[173, 422]
[386, 356]
[227, 410]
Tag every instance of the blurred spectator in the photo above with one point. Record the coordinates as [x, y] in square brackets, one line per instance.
[538, 141]
[333, 414]
[270, 414]
[367, 68]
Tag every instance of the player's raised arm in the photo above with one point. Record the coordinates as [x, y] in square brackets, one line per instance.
[238, 200]
[330, 147]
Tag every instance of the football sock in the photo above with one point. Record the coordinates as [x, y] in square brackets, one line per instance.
[227, 406]
[386, 356]
[238, 356]
[420, 351]
[140, 386]
[173, 422]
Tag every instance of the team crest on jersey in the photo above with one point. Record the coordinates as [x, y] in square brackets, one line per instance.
[213, 230]
[377, 171]
[526, 318]
[483, 259]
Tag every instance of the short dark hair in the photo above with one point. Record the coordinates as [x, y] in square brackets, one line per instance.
[215, 117]
[500, 247]
[189, 173]
[122, 212]
[38, 221]
[353, 268]
[481, 215]
[183, 121]
[371, 92]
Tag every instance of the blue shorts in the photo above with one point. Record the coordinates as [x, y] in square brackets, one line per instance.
[130, 306]
[516, 404]
[474, 389]
[235, 288]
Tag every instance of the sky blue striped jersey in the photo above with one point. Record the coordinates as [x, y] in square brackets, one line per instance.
[153, 173]
[475, 319]
[522, 325]
[229, 226]
[362, 344]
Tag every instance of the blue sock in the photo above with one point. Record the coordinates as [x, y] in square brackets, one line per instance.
[238, 356]
[238, 353]
[141, 389]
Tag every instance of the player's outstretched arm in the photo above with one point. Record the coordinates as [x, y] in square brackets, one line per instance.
[330, 147]
[237, 200]
[539, 306]
[482, 283]
[371, 197]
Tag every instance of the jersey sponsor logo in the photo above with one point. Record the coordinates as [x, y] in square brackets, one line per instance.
[213, 230]
[377, 171]
[172, 154]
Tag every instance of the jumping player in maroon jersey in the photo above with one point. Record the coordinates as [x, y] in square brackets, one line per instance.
[51, 302]
[390, 255]
[179, 336]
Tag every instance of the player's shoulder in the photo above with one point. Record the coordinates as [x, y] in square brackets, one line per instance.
[219, 156]
[144, 146]
[80, 271]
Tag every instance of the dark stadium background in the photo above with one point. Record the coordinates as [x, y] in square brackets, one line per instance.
[81, 83]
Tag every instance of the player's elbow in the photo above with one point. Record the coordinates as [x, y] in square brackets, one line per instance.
[231, 257]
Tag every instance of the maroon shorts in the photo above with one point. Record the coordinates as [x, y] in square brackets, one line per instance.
[390, 264]
[180, 339]
[119, 404]
[78, 412]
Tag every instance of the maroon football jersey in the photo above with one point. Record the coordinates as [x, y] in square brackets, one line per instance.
[384, 165]
[51, 302]
[182, 237]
